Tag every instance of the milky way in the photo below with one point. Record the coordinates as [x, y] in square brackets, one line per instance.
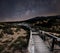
[15, 10]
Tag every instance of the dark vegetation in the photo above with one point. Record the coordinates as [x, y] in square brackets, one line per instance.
[21, 43]
[1, 35]
[1, 48]
[8, 31]
[49, 23]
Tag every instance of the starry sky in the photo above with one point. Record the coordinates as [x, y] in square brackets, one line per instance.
[17, 10]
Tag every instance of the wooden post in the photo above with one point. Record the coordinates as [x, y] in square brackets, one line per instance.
[52, 46]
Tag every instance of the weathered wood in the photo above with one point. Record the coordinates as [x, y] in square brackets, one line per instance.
[40, 46]
[36, 44]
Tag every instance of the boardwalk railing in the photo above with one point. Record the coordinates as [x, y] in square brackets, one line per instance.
[31, 44]
[52, 36]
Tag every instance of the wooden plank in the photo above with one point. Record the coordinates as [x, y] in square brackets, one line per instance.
[40, 47]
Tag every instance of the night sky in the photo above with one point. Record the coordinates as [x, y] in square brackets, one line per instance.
[17, 10]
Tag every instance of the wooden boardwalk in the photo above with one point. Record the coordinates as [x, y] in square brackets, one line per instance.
[39, 45]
